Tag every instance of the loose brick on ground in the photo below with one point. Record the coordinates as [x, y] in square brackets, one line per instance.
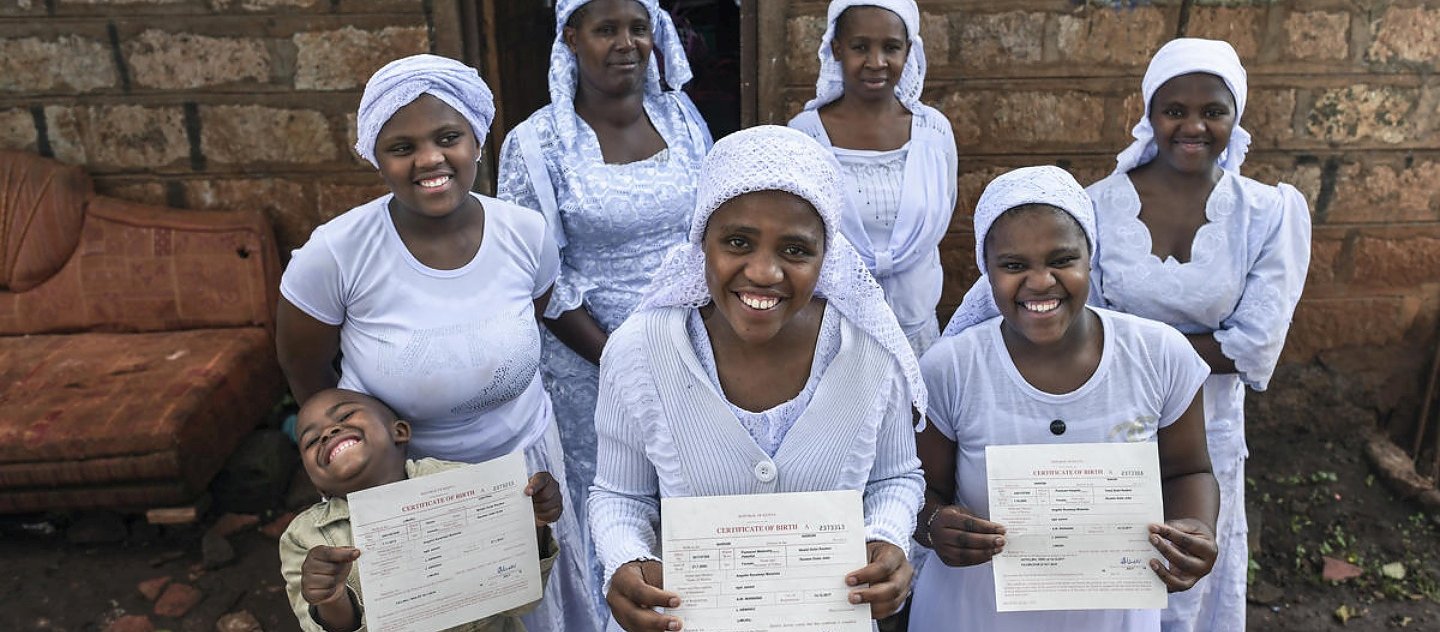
[177, 600]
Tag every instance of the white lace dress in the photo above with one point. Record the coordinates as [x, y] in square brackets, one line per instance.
[1247, 268]
[614, 223]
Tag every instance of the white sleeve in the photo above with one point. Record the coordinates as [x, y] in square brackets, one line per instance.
[896, 487]
[549, 264]
[625, 498]
[312, 281]
[1254, 334]
[942, 383]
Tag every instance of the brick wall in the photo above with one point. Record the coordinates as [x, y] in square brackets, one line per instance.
[1344, 104]
[209, 104]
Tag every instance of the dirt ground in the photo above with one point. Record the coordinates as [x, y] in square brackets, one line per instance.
[1311, 491]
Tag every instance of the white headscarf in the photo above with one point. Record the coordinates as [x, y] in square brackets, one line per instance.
[774, 158]
[1182, 57]
[1047, 185]
[401, 81]
[831, 83]
[565, 72]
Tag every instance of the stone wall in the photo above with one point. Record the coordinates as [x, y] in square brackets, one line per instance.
[209, 104]
[1344, 104]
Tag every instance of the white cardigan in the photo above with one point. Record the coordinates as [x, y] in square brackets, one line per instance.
[666, 432]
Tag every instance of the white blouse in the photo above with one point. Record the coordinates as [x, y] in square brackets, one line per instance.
[876, 179]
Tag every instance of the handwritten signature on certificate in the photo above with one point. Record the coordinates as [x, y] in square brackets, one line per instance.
[765, 561]
[446, 549]
[1076, 522]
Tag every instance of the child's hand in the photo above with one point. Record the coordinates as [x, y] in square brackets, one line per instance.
[962, 539]
[634, 591]
[888, 575]
[322, 575]
[1189, 546]
[544, 492]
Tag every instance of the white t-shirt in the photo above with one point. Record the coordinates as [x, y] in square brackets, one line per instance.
[454, 352]
[1147, 377]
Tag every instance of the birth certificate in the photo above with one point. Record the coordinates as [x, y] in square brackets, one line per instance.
[1076, 520]
[441, 550]
[765, 561]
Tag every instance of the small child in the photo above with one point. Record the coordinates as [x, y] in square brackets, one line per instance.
[349, 442]
[1051, 370]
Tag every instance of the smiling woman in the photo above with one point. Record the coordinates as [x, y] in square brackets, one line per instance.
[762, 359]
[428, 295]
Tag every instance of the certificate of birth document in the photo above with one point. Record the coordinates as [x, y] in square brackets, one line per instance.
[450, 548]
[1076, 520]
[765, 561]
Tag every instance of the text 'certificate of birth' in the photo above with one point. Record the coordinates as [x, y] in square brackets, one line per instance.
[450, 548]
[765, 561]
[1076, 520]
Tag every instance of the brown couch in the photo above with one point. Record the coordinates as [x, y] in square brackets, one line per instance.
[136, 342]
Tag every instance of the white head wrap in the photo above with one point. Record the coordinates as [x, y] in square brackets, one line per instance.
[831, 83]
[1182, 57]
[1047, 185]
[774, 158]
[565, 72]
[401, 81]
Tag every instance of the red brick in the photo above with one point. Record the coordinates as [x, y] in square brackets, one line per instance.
[263, 5]
[1396, 262]
[289, 205]
[802, 34]
[1363, 112]
[22, 7]
[160, 59]
[1057, 119]
[334, 199]
[990, 41]
[152, 588]
[969, 187]
[118, 136]
[1407, 34]
[963, 108]
[241, 621]
[17, 129]
[68, 63]
[1305, 177]
[344, 59]
[1238, 25]
[1317, 36]
[1384, 193]
[1325, 324]
[1123, 37]
[177, 600]
[146, 191]
[242, 134]
[957, 257]
[1269, 116]
[131, 623]
[276, 527]
[1324, 257]
[935, 33]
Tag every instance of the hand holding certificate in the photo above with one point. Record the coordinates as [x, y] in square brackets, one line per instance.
[765, 561]
[447, 549]
[1077, 522]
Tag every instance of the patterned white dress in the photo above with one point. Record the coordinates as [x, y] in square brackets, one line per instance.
[615, 222]
[1247, 268]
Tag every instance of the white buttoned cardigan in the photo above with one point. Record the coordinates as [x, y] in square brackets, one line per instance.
[664, 431]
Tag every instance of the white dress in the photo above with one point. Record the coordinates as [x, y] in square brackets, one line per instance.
[614, 224]
[898, 214]
[1247, 268]
[454, 352]
[1147, 377]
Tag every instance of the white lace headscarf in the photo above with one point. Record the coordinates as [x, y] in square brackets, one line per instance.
[1185, 56]
[831, 83]
[774, 158]
[565, 71]
[1047, 185]
[401, 81]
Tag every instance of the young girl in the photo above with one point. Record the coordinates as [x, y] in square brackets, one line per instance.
[1188, 241]
[429, 293]
[897, 153]
[1050, 369]
[763, 359]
